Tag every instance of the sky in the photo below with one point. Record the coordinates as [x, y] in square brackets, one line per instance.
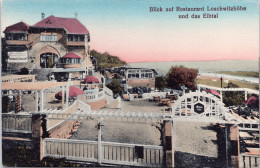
[129, 30]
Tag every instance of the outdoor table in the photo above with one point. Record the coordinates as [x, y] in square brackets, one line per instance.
[156, 98]
[164, 101]
[171, 97]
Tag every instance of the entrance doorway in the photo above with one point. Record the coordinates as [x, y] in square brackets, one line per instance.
[48, 60]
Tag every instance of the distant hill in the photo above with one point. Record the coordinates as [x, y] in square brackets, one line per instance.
[106, 60]
[203, 66]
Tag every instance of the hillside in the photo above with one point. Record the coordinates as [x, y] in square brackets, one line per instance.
[106, 60]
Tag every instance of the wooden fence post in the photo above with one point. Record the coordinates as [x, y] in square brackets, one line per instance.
[168, 143]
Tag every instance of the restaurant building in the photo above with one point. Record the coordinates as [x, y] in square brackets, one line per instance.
[134, 80]
[53, 45]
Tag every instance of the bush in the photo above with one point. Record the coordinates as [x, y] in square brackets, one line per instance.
[233, 98]
[115, 86]
[24, 71]
[160, 82]
[181, 76]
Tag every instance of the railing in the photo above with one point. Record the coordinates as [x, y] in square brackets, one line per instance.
[18, 78]
[230, 89]
[17, 122]
[71, 149]
[132, 154]
[95, 96]
[253, 126]
[83, 106]
[108, 92]
[249, 161]
[150, 95]
[111, 153]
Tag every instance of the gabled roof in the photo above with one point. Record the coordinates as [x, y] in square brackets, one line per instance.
[71, 55]
[72, 25]
[17, 27]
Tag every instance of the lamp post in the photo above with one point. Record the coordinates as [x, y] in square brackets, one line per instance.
[221, 81]
[99, 126]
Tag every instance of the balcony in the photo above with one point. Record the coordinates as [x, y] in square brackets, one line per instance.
[67, 65]
[75, 43]
[17, 42]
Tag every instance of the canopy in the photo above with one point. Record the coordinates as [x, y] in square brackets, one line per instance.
[214, 92]
[253, 101]
[91, 79]
[71, 55]
[73, 92]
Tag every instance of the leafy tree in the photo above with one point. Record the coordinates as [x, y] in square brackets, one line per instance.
[6, 104]
[160, 82]
[4, 55]
[179, 76]
[233, 98]
[115, 86]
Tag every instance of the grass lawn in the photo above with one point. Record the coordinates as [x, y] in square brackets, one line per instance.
[241, 84]
[240, 73]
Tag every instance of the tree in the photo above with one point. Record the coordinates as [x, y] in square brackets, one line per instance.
[160, 82]
[115, 86]
[233, 98]
[106, 60]
[181, 76]
[4, 55]
[6, 104]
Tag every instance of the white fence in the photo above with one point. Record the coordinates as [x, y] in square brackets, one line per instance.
[249, 161]
[108, 92]
[95, 96]
[111, 153]
[17, 122]
[150, 95]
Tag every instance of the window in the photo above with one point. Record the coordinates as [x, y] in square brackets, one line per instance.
[74, 37]
[48, 38]
[146, 73]
[70, 60]
[16, 36]
[133, 73]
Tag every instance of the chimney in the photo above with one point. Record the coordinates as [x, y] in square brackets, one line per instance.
[43, 15]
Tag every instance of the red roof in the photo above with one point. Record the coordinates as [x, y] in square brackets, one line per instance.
[214, 92]
[73, 92]
[91, 79]
[71, 55]
[72, 25]
[17, 27]
[252, 101]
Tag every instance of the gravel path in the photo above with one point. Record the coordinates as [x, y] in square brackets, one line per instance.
[120, 131]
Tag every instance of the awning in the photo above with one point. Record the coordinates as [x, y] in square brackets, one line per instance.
[91, 79]
[71, 55]
[214, 92]
[73, 92]
[69, 70]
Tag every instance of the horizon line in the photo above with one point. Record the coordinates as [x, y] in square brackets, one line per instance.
[199, 60]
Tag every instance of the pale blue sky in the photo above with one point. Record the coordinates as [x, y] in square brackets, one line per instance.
[126, 27]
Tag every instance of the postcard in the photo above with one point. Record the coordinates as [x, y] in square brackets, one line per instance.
[140, 83]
